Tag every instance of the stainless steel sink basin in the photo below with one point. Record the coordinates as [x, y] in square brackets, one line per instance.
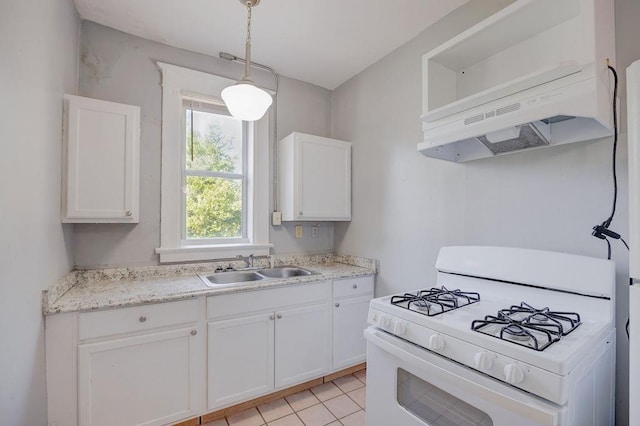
[285, 272]
[237, 277]
[232, 277]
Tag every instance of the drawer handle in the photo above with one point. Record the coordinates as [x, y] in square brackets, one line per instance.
[279, 316]
[355, 286]
[337, 304]
[142, 319]
[128, 213]
[194, 332]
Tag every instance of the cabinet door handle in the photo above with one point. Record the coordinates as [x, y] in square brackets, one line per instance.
[142, 318]
[300, 214]
[272, 317]
[128, 213]
[194, 332]
[337, 305]
[355, 286]
[279, 316]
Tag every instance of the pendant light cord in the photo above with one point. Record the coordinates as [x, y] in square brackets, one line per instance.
[230, 57]
[247, 63]
[192, 130]
[249, 22]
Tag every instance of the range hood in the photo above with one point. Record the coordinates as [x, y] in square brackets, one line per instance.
[533, 75]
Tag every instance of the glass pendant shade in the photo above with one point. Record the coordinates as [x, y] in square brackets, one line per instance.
[246, 101]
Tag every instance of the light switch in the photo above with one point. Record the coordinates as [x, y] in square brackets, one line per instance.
[315, 231]
[276, 218]
[298, 231]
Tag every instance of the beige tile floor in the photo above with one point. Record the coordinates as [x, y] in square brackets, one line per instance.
[337, 403]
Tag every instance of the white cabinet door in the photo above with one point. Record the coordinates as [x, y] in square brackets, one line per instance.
[150, 379]
[302, 344]
[315, 178]
[101, 161]
[349, 323]
[240, 359]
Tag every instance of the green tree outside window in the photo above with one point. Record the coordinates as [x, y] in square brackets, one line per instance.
[213, 203]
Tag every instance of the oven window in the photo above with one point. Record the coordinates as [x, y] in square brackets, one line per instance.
[435, 406]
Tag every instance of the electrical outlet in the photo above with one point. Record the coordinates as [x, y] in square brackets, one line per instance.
[315, 231]
[299, 233]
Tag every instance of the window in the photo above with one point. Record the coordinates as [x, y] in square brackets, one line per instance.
[214, 176]
[215, 190]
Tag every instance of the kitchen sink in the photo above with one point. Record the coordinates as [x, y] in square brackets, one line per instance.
[285, 272]
[232, 277]
[236, 277]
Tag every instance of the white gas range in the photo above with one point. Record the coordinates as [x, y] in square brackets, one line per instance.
[507, 336]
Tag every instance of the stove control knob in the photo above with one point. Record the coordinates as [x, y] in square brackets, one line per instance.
[436, 342]
[385, 321]
[513, 374]
[400, 328]
[483, 361]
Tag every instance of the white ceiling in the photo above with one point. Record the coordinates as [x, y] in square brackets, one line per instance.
[324, 42]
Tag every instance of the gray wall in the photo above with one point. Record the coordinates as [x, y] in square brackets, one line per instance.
[305, 108]
[120, 67]
[39, 49]
[406, 206]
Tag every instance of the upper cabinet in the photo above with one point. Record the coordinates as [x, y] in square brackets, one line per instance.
[314, 178]
[101, 161]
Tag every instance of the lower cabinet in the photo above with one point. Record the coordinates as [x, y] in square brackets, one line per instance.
[351, 299]
[132, 366]
[142, 380]
[286, 340]
[161, 363]
[302, 344]
[240, 358]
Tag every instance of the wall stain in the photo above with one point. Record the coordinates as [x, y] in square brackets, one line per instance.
[92, 65]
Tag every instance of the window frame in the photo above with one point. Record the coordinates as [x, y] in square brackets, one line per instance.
[179, 83]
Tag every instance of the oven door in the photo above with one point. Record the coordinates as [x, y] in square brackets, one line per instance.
[410, 386]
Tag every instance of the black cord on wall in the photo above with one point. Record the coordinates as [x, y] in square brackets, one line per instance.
[602, 231]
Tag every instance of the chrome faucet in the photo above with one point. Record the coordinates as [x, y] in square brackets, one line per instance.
[248, 260]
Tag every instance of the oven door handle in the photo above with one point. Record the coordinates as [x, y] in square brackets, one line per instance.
[542, 413]
[395, 348]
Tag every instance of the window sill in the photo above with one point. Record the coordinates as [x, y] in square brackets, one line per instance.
[211, 252]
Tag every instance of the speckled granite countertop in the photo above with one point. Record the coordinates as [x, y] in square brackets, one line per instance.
[86, 290]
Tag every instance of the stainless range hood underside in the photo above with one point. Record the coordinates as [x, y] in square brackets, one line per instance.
[561, 130]
[528, 136]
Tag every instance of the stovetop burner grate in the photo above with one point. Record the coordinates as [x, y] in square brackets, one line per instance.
[435, 301]
[527, 326]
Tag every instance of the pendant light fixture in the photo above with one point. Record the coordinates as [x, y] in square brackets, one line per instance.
[244, 99]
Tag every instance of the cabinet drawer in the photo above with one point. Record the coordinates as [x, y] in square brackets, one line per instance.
[139, 318]
[353, 286]
[262, 300]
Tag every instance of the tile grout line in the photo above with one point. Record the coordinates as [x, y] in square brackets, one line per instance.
[294, 412]
[299, 418]
[346, 415]
[261, 416]
[265, 423]
[338, 396]
[354, 401]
